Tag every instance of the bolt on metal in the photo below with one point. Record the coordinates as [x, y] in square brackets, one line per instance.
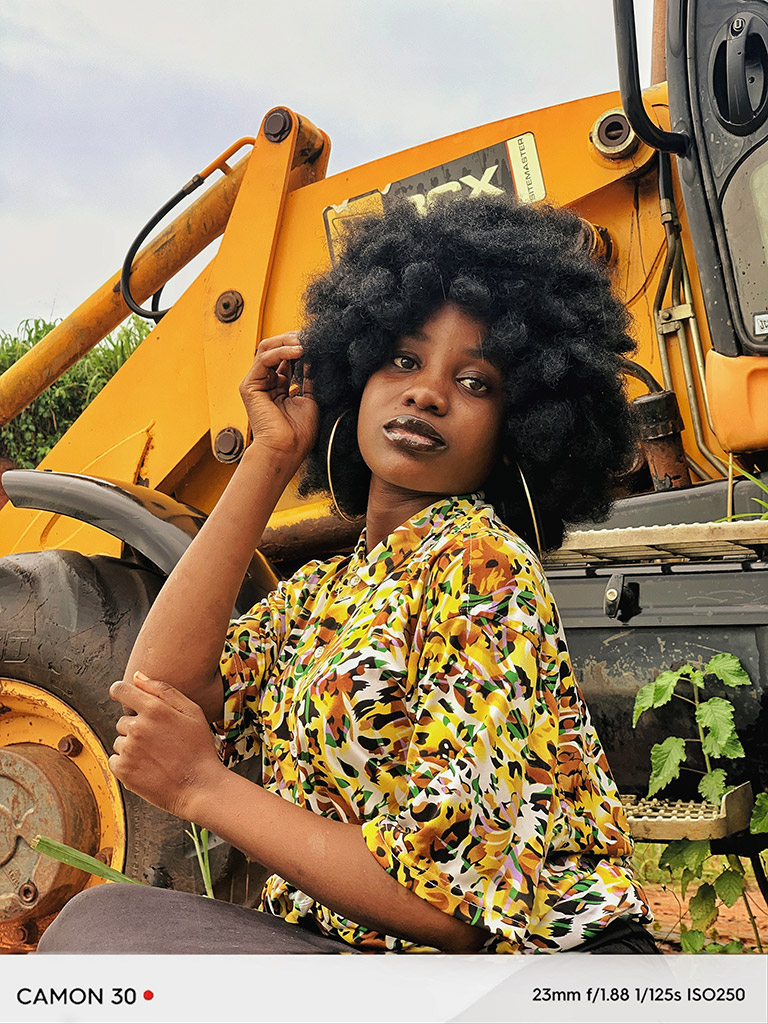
[229, 306]
[277, 125]
[69, 745]
[28, 892]
[229, 445]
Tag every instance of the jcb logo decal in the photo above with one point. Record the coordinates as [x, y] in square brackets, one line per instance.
[511, 166]
[476, 186]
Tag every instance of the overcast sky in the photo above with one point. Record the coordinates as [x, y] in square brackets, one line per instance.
[108, 108]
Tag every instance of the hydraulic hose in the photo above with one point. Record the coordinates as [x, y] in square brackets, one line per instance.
[154, 313]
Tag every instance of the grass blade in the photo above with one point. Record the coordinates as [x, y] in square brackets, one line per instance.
[754, 479]
[77, 859]
[201, 849]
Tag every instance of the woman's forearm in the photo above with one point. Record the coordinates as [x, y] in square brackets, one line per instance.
[326, 859]
[183, 635]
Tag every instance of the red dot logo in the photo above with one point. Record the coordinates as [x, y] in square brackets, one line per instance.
[149, 994]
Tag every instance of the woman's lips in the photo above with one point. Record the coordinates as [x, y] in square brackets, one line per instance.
[413, 434]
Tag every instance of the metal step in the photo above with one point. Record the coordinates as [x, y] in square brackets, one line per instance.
[740, 541]
[662, 821]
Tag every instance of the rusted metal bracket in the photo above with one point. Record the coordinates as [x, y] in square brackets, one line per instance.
[670, 319]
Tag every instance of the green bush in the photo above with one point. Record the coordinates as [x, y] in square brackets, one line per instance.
[28, 438]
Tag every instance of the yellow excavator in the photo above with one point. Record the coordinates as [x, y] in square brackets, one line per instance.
[672, 188]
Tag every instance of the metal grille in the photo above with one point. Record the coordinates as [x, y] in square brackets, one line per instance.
[665, 820]
[740, 541]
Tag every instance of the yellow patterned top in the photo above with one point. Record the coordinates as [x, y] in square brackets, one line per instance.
[425, 692]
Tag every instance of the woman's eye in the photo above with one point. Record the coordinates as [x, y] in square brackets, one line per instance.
[404, 362]
[474, 384]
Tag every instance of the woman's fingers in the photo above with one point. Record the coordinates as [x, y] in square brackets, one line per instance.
[128, 694]
[165, 751]
[281, 412]
[124, 724]
[284, 373]
[273, 357]
[307, 385]
[270, 353]
[286, 338]
[142, 694]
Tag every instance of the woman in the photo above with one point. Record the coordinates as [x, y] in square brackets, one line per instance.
[430, 777]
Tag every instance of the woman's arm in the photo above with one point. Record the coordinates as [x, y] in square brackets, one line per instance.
[183, 635]
[165, 753]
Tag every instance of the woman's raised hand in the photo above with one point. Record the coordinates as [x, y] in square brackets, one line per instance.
[283, 416]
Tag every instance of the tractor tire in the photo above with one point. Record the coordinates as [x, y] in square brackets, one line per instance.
[67, 626]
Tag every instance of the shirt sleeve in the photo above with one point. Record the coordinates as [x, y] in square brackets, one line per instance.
[251, 651]
[472, 835]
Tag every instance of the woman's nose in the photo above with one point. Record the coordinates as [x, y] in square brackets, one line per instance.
[426, 396]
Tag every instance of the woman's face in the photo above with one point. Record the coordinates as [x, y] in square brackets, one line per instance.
[430, 419]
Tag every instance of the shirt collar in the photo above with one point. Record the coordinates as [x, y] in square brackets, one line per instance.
[406, 539]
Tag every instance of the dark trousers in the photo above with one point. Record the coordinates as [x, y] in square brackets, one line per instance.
[119, 918]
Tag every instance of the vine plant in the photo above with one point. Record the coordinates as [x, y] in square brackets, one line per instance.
[716, 740]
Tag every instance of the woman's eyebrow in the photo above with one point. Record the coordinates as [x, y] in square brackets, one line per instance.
[472, 353]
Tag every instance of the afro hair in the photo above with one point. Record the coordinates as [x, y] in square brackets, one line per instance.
[554, 329]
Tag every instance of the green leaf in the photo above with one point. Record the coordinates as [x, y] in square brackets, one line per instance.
[643, 701]
[728, 670]
[731, 748]
[695, 853]
[729, 886]
[685, 853]
[703, 907]
[664, 686]
[666, 758]
[673, 855]
[716, 715]
[734, 863]
[759, 819]
[685, 880]
[712, 786]
[692, 941]
[734, 946]
[697, 679]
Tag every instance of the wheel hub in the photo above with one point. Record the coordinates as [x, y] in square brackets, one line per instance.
[41, 793]
[55, 782]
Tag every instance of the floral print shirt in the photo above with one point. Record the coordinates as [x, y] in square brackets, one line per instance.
[424, 691]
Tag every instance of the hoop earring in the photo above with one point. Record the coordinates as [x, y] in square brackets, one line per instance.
[328, 468]
[534, 520]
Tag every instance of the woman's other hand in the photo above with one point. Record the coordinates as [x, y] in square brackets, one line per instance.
[282, 414]
[164, 752]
